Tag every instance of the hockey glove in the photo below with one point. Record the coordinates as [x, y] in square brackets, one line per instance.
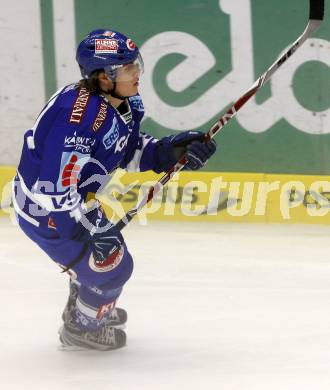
[170, 149]
[106, 245]
[105, 239]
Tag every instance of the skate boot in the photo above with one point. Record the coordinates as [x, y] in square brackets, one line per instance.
[117, 318]
[105, 339]
[71, 303]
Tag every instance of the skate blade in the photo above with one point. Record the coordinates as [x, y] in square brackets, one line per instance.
[66, 347]
[72, 348]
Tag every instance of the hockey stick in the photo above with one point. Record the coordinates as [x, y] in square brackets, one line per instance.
[8, 204]
[316, 16]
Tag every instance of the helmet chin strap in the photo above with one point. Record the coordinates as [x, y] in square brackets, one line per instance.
[112, 92]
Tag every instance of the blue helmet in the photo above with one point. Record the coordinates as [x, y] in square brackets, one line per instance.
[106, 50]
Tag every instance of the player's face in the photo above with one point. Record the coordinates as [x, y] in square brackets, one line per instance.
[127, 79]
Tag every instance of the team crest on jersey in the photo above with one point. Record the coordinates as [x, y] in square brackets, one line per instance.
[106, 46]
[100, 118]
[71, 165]
[79, 106]
[112, 135]
[70, 172]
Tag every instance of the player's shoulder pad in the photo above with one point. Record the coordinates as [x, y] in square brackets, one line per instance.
[136, 103]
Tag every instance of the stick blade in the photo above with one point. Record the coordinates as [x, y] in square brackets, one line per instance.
[316, 9]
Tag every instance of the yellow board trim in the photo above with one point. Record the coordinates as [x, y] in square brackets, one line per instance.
[7, 173]
[224, 197]
[213, 196]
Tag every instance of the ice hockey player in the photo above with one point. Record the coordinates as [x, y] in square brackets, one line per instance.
[85, 131]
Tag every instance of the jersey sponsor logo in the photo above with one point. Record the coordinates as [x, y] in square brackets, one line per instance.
[106, 46]
[121, 143]
[78, 143]
[100, 118]
[130, 44]
[79, 106]
[111, 262]
[112, 135]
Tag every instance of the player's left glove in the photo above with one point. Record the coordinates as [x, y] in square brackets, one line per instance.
[170, 149]
[105, 239]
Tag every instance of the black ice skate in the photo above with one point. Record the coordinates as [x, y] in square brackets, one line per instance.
[108, 337]
[105, 339]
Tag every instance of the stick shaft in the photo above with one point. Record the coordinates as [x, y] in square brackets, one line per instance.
[317, 11]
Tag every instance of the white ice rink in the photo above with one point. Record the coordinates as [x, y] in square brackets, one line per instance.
[214, 306]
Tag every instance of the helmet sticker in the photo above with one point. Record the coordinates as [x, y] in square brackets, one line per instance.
[106, 46]
[109, 34]
[130, 44]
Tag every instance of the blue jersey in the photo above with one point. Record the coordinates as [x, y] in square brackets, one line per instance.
[76, 141]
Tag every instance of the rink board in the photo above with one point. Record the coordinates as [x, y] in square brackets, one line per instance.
[212, 196]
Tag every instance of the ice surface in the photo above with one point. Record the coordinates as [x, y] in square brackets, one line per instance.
[211, 306]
